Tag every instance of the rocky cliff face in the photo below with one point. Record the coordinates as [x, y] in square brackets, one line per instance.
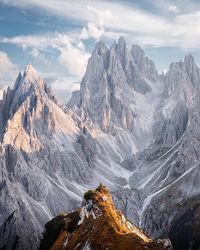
[173, 160]
[97, 225]
[40, 160]
[166, 118]
[111, 91]
[128, 127]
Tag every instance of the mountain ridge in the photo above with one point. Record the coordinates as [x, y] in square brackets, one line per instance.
[98, 225]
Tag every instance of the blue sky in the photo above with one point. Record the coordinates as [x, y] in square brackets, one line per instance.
[57, 36]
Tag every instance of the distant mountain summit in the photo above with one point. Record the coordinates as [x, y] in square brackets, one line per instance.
[97, 225]
[38, 148]
[112, 80]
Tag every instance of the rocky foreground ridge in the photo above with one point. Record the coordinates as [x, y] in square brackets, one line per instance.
[97, 225]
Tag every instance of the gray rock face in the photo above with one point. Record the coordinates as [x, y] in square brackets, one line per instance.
[129, 200]
[168, 165]
[109, 71]
[173, 159]
[146, 65]
[40, 161]
[128, 127]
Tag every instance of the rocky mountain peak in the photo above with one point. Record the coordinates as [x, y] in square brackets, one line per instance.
[192, 70]
[29, 69]
[183, 76]
[146, 65]
[121, 50]
[25, 85]
[122, 43]
[189, 59]
[137, 52]
[113, 76]
[24, 105]
[30, 78]
[100, 48]
[187, 65]
[97, 225]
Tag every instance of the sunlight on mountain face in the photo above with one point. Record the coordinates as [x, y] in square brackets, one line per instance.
[97, 223]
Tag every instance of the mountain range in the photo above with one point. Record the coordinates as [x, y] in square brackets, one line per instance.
[129, 127]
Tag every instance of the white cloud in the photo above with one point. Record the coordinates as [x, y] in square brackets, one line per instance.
[95, 29]
[59, 7]
[68, 83]
[72, 53]
[92, 31]
[63, 88]
[173, 8]
[35, 53]
[110, 18]
[100, 15]
[8, 70]
[37, 41]
[74, 59]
